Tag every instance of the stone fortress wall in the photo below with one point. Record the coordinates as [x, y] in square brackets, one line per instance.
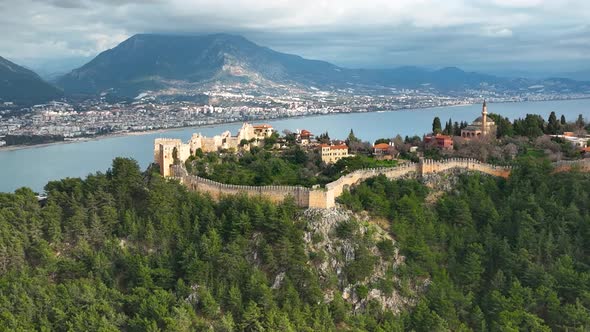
[431, 166]
[567, 165]
[276, 194]
[326, 197]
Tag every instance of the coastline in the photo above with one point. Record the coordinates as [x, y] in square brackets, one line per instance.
[162, 130]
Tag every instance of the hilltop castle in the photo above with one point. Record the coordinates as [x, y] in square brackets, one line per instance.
[167, 150]
[481, 127]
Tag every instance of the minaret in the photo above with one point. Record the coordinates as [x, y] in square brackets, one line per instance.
[484, 119]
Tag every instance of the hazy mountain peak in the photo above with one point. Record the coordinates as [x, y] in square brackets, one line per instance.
[21, 85]
[159, 61]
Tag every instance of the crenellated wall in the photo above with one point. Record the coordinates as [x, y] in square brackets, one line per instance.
[300, 194]
[432, 166]
[567, 165]
[326, 197]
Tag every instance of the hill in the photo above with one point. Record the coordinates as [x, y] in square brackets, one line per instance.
[156, 62]
[23, 86]
[131, 251]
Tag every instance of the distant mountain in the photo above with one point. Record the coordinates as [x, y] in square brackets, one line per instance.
[155, 62]
[52, 69]
[582, 75]
[23, 86]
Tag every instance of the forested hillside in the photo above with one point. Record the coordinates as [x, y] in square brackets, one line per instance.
[501, 255]
[129, 251]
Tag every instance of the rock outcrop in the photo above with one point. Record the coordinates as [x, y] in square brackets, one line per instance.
[335, 241]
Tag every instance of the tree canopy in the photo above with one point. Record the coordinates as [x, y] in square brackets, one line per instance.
[128, 250]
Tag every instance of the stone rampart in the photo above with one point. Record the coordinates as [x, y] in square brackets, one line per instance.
[432, 166]
[326, 197]
[356, 177]
[217, 190]
[567, 165]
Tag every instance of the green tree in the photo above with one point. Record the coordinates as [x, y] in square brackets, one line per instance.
[436, 126]
[323, 138]
[448, 128]
[532, 126]
[553, 126]
[580, 123]
[504, 127]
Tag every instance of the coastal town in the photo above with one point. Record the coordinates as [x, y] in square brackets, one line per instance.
[315, 170]
[440, 143]
[69, 121]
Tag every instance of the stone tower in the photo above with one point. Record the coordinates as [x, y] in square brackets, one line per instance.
[484, 119]
[164, 153]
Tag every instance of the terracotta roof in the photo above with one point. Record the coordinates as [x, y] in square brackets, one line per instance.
[306, 133]
[262, 126]
[587, 149]
[381, 146]
[334, 147]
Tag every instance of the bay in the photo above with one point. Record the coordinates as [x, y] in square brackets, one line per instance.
[33, 167]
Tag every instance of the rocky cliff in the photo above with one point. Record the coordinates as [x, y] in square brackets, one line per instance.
[357, 260]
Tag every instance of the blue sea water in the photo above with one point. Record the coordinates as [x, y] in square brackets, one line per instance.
[34, 167]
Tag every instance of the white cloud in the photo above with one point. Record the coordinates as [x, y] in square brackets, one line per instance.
[500, 33]
[350, 32]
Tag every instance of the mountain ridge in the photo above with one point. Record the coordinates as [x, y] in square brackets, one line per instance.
[21, 85]
[155, 62]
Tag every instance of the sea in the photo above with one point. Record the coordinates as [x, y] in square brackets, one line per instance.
[33, 166]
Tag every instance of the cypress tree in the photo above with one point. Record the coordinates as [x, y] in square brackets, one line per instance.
[553, 126]
[436, 126]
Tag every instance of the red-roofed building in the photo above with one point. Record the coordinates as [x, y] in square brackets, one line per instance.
[304, 137]
[333, 153]
[442, 141]
[384, 150]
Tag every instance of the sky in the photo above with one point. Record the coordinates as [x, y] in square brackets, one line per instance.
[518, 36]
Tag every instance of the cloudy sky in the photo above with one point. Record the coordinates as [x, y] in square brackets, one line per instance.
[486, 35]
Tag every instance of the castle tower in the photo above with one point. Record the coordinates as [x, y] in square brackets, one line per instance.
[484, 119]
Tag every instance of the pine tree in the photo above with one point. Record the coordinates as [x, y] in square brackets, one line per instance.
[351, 138]
[449, 127]
[456, 129]
[436, 126]
[553, 126]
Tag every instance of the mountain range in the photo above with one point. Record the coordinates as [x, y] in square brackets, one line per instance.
[149, 62]
[23, 86]
[156, 62]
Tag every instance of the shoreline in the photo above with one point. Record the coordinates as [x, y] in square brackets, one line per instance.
[162, 130]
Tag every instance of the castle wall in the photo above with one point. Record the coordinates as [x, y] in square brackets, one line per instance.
[566, 166]
[218, 190]
[354, 178]
[321, 199]
[431, 166]
[326, 197]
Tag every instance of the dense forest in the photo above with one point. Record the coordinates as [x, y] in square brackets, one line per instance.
[501, 255]
[132, 251]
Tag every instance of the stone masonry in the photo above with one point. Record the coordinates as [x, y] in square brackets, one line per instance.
[326, 197]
